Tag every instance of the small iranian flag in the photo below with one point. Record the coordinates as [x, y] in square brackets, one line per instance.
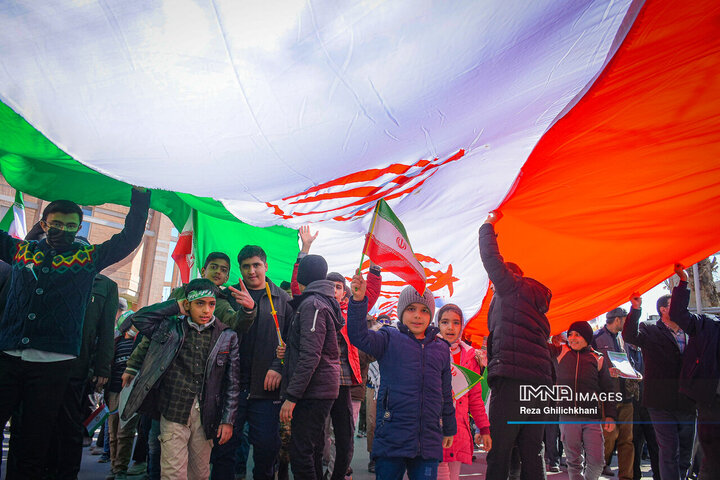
[14, 220]
[463, 380]
[388, 245]
[184, 252]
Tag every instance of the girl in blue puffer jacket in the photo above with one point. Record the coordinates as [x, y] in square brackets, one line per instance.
[415, 413]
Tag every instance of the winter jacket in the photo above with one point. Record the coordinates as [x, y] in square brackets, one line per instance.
[258, 344]
[587, 373]
[605, 341]
[519, 329]
[312, 359]
[662, 360]
[50, 288]
[96, 349]
[700, 371]
[472, 402]
[414, 403]
[167, 329]
[374, 283]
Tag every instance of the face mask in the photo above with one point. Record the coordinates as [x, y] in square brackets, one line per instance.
[60, 238]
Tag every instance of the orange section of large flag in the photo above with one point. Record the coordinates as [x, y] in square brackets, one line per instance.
[628, 182]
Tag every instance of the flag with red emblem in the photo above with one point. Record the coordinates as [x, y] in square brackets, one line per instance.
[184, 253]
[388, 245]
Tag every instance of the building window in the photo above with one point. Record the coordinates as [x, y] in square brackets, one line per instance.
[85, 225]
[166, 292]
[170, 264]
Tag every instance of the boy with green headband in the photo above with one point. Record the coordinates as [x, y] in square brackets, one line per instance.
[190, 374]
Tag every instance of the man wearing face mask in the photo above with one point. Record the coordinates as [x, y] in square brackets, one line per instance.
[41, 327]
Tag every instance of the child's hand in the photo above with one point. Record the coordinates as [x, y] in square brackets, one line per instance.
[286, 411]
[484, 441]
[609, 424]
[224, 433]
[127, 379]
[280, 351]
[447, 442]
[358, 286]
[242, 297]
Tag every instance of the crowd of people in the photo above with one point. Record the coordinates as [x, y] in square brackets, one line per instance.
[192, 381]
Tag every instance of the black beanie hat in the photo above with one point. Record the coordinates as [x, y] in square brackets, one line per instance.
[584, 329]
[336, 277]
[311, 268]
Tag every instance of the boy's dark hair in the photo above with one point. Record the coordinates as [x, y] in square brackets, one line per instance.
[216, 256]
[449, 307]
[62, 206]
[249, 251]
[384, 319]
[662, 302]
[200, 284]
[285, 285]
[513, 267]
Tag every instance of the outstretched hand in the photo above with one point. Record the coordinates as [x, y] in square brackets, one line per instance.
[680, 271]
[242, 296]
[493, 217]
[306, 238]
[636, 300]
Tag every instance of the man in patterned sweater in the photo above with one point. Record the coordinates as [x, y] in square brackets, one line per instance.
[41, 326]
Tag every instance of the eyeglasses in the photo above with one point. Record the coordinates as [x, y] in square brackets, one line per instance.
[68, 227]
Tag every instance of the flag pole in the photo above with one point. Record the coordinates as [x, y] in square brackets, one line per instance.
[372, 230]
[274, 314]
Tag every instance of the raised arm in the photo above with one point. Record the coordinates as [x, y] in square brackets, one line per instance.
[122, 244]
[679, 313]
[369, 341]
[374, 285]
[501, 277]
[147, 319]
[631, 332]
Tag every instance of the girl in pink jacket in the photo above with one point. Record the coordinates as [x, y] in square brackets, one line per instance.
[450, 322]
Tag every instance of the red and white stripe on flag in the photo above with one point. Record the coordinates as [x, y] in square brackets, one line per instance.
[184, 253]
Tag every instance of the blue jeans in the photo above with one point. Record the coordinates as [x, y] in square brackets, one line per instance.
[675, 434]
[393, 468]
[263, 417]
[154, 451]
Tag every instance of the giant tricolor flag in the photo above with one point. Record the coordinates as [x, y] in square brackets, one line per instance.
[593, 123]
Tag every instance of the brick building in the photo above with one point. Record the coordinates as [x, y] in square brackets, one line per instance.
[144, 277]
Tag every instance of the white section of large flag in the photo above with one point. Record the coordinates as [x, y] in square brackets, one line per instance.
[255, 103]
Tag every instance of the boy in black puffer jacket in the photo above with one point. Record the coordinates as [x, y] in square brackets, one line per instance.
[311, 374]
[590, 396]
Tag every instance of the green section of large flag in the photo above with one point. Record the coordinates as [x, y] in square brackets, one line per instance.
[33, 164]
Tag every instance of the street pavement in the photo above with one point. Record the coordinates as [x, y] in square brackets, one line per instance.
[92, 470]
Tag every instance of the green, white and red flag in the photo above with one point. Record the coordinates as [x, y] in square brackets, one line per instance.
[14, 220]
[463, 380]
[184, 252]
[388, 245]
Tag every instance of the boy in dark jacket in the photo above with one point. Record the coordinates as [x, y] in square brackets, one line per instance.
[700, 374]
[311, 377]
[415, 412]
[586, 373]
[517, 356]
[191, 366]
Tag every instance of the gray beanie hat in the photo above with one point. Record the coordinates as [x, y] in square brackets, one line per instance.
[410, 295]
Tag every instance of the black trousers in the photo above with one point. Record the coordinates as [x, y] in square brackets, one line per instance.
[709, 434]
[341, 415]
[40, 388]
[644, 432]
[65, 453]
[505, 406]
[308, 438]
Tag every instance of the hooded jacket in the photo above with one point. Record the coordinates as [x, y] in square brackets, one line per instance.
[312, 361]
[519, 329]
[414, 403]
